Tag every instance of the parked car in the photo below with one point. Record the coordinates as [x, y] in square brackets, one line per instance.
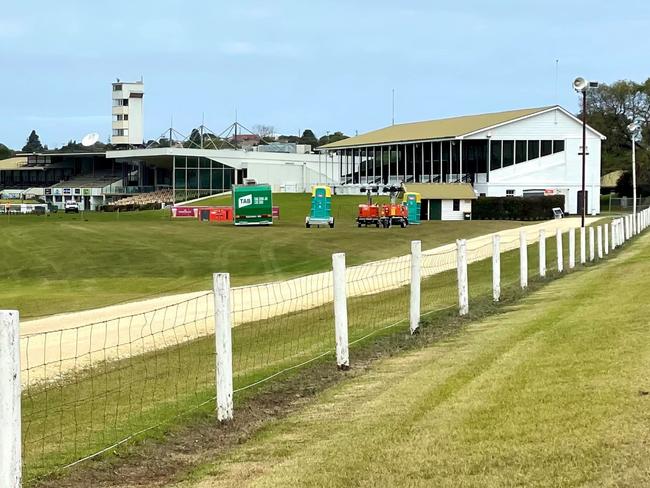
[71, 206]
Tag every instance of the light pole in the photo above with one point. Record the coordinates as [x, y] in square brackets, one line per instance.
[581, 86]
[634, 131]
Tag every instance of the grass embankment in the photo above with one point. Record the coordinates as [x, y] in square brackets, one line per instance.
[58, 263]
[72, 419]
[554, 392]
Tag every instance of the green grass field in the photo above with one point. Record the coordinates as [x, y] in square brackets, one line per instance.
[57, 263]
[83, 414]
[553, 392]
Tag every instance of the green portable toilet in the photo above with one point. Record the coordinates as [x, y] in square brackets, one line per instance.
[321, 207]
[252, 204]
[413, 204]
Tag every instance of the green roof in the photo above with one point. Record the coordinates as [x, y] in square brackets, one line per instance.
[434, 129]
[442, 191]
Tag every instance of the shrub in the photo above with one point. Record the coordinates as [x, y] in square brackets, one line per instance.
[516, 208]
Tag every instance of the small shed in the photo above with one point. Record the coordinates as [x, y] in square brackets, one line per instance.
[444, 201]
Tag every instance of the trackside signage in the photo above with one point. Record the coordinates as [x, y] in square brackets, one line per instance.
[245, 201]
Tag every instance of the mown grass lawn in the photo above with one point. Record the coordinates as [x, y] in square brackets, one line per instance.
[553, 392]
[70, 262]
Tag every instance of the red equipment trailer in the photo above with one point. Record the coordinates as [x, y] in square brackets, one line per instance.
[385, 215]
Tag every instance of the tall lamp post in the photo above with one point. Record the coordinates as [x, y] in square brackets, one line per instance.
[581, 86]
[634, 132]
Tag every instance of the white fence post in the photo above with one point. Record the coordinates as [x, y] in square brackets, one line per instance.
[560, 250]
[614, 225]
[10, 434]
[627, 227]
[523, 259]
[340, 311]
[592, 244]
[223, 345]
[606, 238]
[583, 245]
[461, 270]
[416, 266]
[599, 240]
[542, 253]
[496, 267]
[572, 248]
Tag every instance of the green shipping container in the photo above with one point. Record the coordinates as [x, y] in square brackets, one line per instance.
[252, 204]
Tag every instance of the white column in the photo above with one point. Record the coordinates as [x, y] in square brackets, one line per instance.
[606, 238]
[542, 253]
[560, 250]
[223, 345]
[592, 244]
[572, 248]
[583, 245]
[523, 259]
[599, 239]
[10, 431]
[461, 270]
[340, 311]
[416, 266]
[496, 267]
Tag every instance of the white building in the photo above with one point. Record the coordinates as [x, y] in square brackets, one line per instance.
[128, 113]
[520, 153]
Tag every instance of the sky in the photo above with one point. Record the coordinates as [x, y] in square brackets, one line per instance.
[323, 65]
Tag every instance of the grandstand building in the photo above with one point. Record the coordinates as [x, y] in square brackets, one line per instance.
[524, 152]
[157, 175]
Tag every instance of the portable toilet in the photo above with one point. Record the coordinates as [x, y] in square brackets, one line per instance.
[321, 207]
[413, 204]
[252, 204]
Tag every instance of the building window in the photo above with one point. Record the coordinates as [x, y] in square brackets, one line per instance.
[120, 117]
[495, 155]
[520, 152]
[120, 102]
[456, 204]
[117, 87]
[547, 148]
[120, 132]
[533, 150]
[558, 146]
[508, 153]
[510, 193]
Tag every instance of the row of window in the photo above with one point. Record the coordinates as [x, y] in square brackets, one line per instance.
[120, 117]
[120, 132]
[120, 102]
[507, 153]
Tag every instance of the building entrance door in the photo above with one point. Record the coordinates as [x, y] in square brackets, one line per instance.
[580, 202]
[435, 209]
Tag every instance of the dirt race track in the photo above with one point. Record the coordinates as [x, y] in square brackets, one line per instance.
[55, 345]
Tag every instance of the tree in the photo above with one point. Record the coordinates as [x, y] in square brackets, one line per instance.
[610, 108]
[5, 152]
[33, 143]
[308, 137]
[328, 139]
[264, 131]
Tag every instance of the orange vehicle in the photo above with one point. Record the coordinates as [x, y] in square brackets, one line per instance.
[369, 213]
[385, 215]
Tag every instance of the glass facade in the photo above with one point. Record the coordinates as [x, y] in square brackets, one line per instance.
[196, 177]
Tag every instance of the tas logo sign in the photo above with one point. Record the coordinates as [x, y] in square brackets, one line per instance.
[245, 201]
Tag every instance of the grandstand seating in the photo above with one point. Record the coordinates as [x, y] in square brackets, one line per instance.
[99, 180]
[160, 196]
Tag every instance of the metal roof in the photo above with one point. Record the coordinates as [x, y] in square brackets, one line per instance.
[442, 191]
[449, 128]
[13, 163]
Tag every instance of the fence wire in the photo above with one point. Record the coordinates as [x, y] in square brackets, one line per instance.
[88, 388]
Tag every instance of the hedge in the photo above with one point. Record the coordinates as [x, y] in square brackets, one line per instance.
[516, 208]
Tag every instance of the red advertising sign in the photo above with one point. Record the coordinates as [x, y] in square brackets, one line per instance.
[184, 211]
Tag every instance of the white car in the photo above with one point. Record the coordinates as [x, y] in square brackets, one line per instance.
[71, 206]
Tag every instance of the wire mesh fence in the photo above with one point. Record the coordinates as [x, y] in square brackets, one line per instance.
[87, 389]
